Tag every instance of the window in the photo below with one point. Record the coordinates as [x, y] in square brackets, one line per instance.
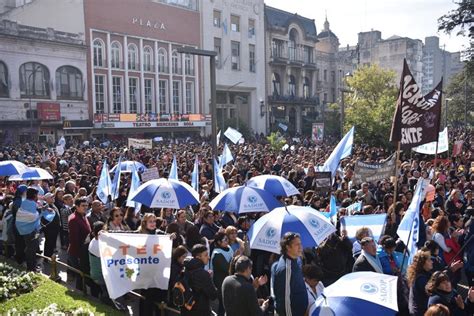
[235, 23]
[251, 28]
[116, 54]
[325, 99]
[277, 48]
[163, 87]
[133, 94]
[132, 57]
[162, 60]
[34, 80]
[308, 55]
[3, 80]
[292, 44]
[276, 84]
[98, 48]
[69, 83]
[189, 96]
[148, 59]
[99, 93]
[333, 94]
[217, 18]
[188, 65]
[175, 63]
[188, 4]
[235, 55]
[292, 86]
[306, 88]
[176, 95]
[252, 58]
[148, 95]
[117, 94]
[325, 75]
[333, 76]
[217, 48]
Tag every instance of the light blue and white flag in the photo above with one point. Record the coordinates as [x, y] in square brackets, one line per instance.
[226, 156]
[133, 187]
[342, 150]
[174, 170]
[408, 230]
[375, 223]
[116, 181]
[28, 218]
[195, 175]
[355, 207]
[62, 141]
[219, 181]
[104, 187]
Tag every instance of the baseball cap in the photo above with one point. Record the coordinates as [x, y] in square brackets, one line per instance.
[21, 188]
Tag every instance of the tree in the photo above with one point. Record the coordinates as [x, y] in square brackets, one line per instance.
[371, 104]
[460, 92]
[276, 141]
[239, 125]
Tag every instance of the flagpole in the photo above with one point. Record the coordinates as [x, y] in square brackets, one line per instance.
[436, 155]
[395, 192]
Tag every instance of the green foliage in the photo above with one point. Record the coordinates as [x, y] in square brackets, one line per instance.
[460, 91]
[371, 104]
[239, 125]
[332, 121]
[276, 141]
[14, 282]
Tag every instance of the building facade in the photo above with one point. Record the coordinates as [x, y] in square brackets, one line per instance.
[42, 83]
[140, 84]
[438, 63]
[389, 53]
[235, 30]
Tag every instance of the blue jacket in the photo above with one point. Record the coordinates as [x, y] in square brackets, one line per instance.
[385, 261]
[289, 288]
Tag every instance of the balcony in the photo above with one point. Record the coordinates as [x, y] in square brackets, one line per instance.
[298, 56]
[285, 99]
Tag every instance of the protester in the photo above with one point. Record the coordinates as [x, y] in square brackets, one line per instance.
[441, 292]
[418, 275]
[368, 259]
[314, 287]
[390, 259]
[52, 228]
[220, 261]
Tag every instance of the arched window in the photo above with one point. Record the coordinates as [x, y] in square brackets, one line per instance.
[132, 57]
[69, 83]
[162, 60]
[116, 52]
[292, 86]
[34, 80]
[176, 65]
[276, 84]
[292, 44]
[148, 58]
[306, 88]
[98, 47]
[188, 65]
[3, 80]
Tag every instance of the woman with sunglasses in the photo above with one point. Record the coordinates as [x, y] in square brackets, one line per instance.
[116, 221]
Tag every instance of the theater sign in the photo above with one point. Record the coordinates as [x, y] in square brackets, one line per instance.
[151, 120]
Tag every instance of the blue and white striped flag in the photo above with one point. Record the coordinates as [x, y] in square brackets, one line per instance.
[195, 175]
[375, 223]
[226, 156]
[333, 208]
[133, 187]
[219, 181]
[116, 181]
[104, 187]
[174, 170]
[28, 218]
[355, 207]
[342, 150]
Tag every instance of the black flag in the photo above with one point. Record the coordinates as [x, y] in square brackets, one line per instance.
[417, 117]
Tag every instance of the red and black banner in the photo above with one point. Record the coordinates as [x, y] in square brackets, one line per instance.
[417, 117]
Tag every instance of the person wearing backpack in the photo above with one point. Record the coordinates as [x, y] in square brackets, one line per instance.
[200, 282]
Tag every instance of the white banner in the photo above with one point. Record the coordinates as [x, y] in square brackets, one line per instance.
[60, 150]
[140, 143]
[430, 148]
[134, 261]
[233, 135]
[150, 174]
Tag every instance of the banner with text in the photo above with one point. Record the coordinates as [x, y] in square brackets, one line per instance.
[140, 143]
[417, 117]
[430, 148]
[373, 172]
[134, 261]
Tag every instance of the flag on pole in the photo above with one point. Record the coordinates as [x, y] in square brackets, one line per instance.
[355, 207]
[116, 182]
[431, 149]
[104, 186]
[375, 223]
[226, 156]
[195, 175]
[133, 187]
[408, 230]
[342, 150]
[219, 181]
[62, 141]
[218, 138]
[174, 169]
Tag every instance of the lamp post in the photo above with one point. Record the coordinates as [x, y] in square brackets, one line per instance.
[212, 56]
[344, 90]
[28, 82]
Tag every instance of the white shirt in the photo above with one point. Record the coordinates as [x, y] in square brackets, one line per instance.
[94, 247]
[313, 296]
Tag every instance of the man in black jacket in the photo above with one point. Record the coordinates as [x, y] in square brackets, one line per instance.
[368, 259]
[51, 229]
[238, 292]
[200, 282]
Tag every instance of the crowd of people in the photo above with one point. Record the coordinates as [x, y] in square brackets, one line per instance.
[211, 248]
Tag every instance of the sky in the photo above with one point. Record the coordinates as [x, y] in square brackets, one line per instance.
[407, 18]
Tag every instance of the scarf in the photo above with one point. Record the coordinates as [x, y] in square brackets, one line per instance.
[228, 254]
[373, 261]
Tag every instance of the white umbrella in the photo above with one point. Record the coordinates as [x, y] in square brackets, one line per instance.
[32, 174]
[11, 167]
[276, 185]
[127, 166]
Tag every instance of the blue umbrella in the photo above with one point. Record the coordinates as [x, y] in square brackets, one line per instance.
[127, 166]
[32, 174]
[244, 199]
[267, 231]
[276, 185]
[11, 167]
[359, 293]
[167, 193]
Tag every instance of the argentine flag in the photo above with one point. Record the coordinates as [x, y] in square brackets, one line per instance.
[174, 170]
[116, 182]
[104, 187]
[195, 175]
[133, 187]
[219, 181]
[375, 223]
[355, 207]
[342, 150]
[28, 217]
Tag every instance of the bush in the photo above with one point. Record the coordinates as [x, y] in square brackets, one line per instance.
[14, 282]
[53, 310]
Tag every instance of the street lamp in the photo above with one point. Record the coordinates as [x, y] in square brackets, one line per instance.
[30, 95]
[212, 56]
[344, 90]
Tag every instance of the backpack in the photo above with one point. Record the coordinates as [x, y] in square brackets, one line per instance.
[182, 294]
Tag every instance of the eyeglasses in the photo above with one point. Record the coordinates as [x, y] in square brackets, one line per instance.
[118, 215]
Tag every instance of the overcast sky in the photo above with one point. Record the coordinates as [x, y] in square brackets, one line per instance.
[411, 18]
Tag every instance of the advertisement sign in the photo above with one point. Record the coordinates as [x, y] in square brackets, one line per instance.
[317, 134]
[48, 111]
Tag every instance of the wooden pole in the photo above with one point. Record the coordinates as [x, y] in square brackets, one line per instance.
[395, 192]
[436, 155]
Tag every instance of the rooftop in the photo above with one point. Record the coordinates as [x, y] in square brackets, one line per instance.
[282, 19]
